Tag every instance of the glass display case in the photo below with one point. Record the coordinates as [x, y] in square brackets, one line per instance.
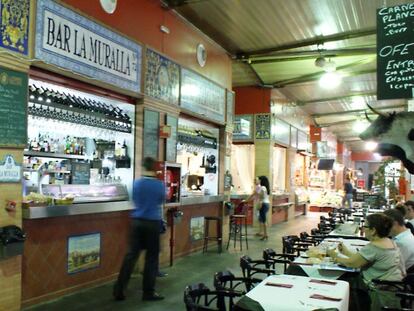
[87, 193]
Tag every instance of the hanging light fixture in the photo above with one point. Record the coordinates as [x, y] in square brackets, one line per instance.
[330, 80]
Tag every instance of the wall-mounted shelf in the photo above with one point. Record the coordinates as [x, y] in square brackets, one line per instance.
[54, 155]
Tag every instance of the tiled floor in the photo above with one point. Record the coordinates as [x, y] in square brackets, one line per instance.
[191, 269]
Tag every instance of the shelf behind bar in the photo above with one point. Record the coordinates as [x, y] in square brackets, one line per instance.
[54, 155]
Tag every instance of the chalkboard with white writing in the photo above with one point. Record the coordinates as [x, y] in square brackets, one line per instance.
[13, 108]
[395, 50]
[151, 133]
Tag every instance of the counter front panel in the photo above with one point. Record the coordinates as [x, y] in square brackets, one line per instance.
[45, 260]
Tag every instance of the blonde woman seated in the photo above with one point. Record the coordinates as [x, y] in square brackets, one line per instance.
[380, 259]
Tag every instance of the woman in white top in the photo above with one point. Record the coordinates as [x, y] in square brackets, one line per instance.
[264, 204]
[255, 198]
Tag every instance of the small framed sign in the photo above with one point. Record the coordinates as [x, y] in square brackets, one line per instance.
[84, 252]
[10, 171]
[197, 228]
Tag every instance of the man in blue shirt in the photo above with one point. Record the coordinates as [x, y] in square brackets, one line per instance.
[148, 197]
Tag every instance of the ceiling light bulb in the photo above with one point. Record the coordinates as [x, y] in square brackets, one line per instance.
[360, 126]
[330, 80]
[371, 145]
[330, 66]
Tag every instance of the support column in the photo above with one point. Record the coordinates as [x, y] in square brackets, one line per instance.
[264, 166]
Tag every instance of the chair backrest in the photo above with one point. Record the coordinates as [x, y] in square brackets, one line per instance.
[222, 279]
[245, 265]
[196, 298]
[288, 242]
[268, 253]
[241, 209]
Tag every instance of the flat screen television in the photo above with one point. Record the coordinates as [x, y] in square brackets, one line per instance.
[325, 164]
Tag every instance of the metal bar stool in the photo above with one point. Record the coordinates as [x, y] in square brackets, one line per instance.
[237, 222]
[207, 237]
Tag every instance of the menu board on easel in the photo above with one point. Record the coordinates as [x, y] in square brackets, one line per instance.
[151, 134]
[395, 49]
[202, 96]
[13, 108]
[171, 144]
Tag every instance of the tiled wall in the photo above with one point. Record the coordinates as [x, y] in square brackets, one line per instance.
[45, 254]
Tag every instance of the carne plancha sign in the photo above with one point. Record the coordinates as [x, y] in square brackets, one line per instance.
[71, 41]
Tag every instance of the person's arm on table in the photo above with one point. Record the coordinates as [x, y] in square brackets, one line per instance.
[352, 260]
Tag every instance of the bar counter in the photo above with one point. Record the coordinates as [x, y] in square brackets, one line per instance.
[36, 212]
[280, 207]
[48, 229]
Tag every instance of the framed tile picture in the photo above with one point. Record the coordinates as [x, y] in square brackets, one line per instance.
[84, 252]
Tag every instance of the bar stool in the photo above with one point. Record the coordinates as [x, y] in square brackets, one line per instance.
[207, 237]
[237, 222]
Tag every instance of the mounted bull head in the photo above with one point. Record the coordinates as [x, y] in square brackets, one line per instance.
[395, 136]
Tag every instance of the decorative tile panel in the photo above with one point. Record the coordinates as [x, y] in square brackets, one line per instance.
[14, 25]
[162, 78]
[262, 126]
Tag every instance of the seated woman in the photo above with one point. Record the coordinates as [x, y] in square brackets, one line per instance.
[380, 259]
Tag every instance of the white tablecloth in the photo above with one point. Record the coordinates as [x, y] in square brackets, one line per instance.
[348, 230]
[328, 269]
[298, 298]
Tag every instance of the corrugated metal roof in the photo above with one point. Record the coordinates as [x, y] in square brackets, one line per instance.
[247, 27]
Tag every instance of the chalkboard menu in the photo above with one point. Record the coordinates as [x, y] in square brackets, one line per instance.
[171, 144]
[202, 96]
[395, 50]
[151, 131]
[81, 172]
[280, 131]
[13, 108]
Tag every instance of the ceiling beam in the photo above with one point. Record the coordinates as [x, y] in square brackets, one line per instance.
[338, 123]
[335, 98]
[315, 76]
[320, 115]
[312, 41]
[171, 4]
[261, 83]
[310, 55]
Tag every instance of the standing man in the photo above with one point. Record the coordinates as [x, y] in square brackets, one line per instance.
[402, 237]
[148, 197]
[409, 206]
[348, 193]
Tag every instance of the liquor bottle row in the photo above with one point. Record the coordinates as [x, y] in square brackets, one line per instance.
[65, 145]
[42, 94]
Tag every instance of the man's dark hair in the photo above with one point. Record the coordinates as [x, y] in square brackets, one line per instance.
[402, 209]
[395, 215]
[149, 164]
[381, 223]
[410, 204]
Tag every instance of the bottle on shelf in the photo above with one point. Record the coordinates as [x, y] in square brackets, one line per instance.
[124, 150]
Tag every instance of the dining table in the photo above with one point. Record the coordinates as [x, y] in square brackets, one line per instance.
[296, 293]
[325, 268]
